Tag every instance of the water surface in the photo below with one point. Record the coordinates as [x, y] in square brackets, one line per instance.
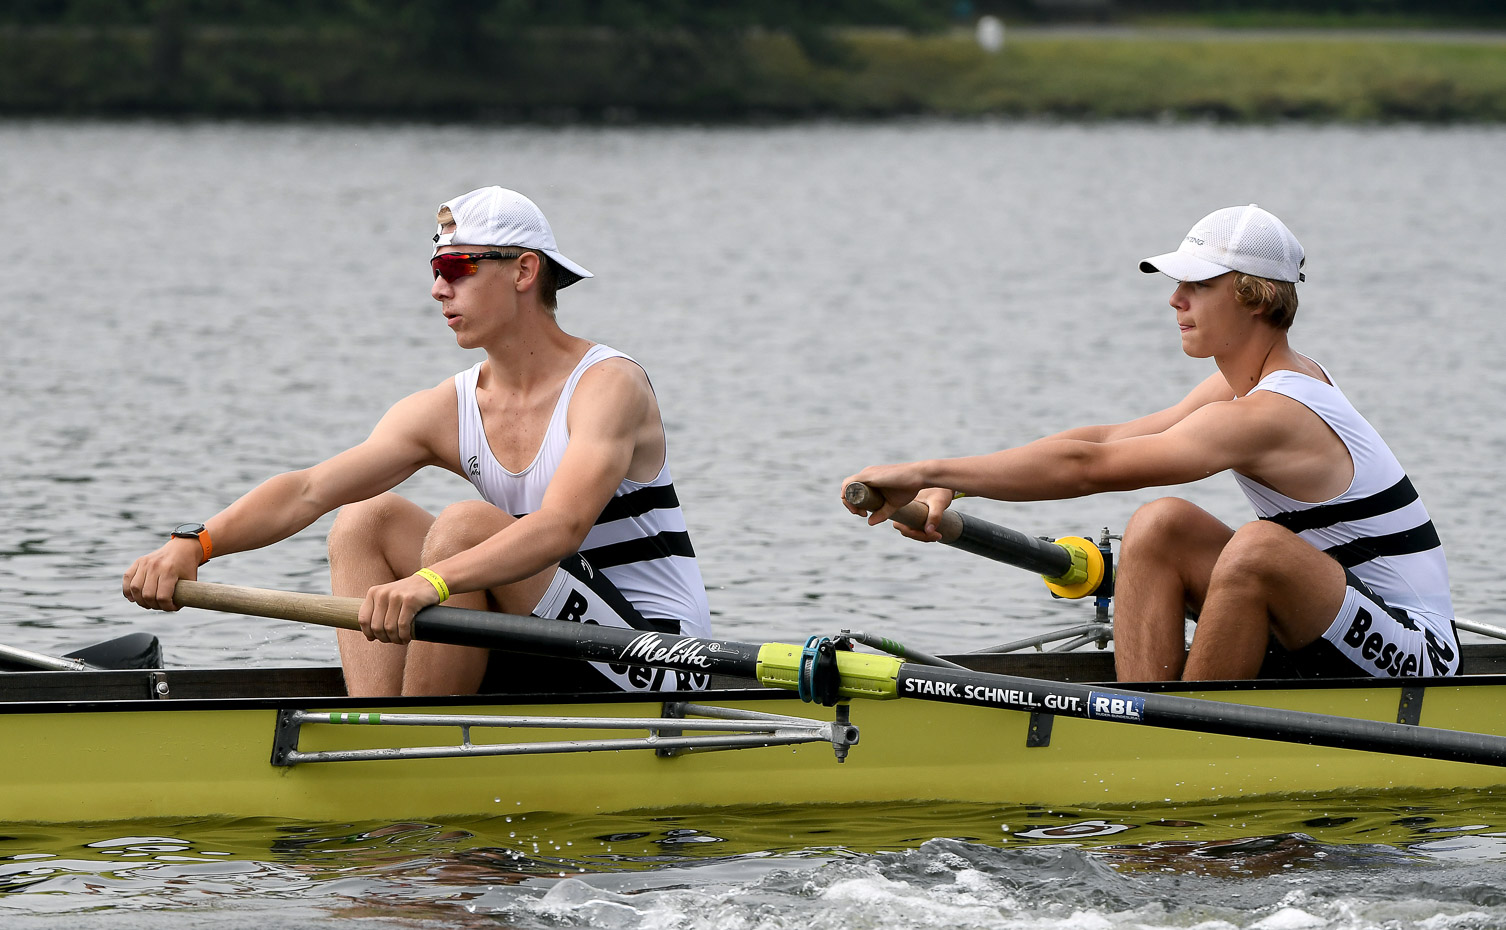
[189, 309]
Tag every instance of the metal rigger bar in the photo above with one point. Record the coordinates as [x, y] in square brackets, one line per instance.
[725, 728]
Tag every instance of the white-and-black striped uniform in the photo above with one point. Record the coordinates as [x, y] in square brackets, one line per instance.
[1397, 617]
[639, 542]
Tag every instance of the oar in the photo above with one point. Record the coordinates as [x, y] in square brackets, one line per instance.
[859, 675]
[1484, 629]
[26, 659]
[1072, 566]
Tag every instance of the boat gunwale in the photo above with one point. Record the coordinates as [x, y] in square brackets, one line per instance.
[258, 678]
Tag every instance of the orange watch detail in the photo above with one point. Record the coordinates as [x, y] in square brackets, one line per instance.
[196, 531]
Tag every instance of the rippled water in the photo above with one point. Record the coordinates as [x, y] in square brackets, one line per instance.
[191, 308]
[1421, 862]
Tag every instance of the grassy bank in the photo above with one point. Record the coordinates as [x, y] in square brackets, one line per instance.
[676, 76]
[1232, 78]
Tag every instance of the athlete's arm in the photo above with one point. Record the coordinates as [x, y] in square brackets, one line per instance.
[612, 418]
[408, 437]
[1212, 389]
[975, 475]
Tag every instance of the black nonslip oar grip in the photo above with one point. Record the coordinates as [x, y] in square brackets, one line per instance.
[970, 534]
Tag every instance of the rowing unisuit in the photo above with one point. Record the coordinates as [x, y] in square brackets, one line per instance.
[1380, 532]
[639, 542]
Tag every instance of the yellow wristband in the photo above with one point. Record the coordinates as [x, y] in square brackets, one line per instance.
[958, 495]
[432, 577]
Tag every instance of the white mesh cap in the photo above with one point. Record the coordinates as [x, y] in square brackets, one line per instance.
[496, 216]
[1246, 239]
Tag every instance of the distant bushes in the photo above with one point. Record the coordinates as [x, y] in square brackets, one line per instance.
[683, 74]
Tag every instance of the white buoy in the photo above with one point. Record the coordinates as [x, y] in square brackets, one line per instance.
[990, 33]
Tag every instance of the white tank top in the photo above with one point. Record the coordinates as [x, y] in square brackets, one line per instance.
[639, 542]
[1378, 528]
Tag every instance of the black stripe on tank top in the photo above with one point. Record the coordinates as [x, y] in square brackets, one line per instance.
[659, 546]
[639, 502]
[1418, 539]
[1393, 498]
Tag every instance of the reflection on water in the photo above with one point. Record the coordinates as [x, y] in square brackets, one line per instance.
[993, 864]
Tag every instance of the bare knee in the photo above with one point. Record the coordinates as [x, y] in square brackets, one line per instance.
[1255, 554]
[375, 541]
[1164, 525]
[360, 525]
[463, 526]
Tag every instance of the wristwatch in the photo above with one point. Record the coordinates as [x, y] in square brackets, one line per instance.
[198, 532]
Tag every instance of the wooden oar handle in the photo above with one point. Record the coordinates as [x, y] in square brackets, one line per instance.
[971, 534]
[863, 497]
[459, 626]
[912, 514]
[323, 609]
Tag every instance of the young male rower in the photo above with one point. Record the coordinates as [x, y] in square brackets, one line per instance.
[1343, 572]
[563, 439]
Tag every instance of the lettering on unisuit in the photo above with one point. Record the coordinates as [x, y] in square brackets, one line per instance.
[1103, 706]
[687, 652]
[574, 610]
[1373, 647]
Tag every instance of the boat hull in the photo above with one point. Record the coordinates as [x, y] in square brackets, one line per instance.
[115, 759]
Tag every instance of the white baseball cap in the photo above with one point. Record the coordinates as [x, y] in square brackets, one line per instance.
[1246, 239]
[497, 216]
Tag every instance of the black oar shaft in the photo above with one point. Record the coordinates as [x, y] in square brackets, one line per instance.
[1196, 714]
[957, 686]
[588, 641]
[1006, 545]
[961, 686]
[970, 534]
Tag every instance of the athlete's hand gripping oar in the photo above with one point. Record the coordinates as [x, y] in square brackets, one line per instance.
[860, 675]
[1071, 566]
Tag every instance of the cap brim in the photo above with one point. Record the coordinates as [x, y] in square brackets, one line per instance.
[569, 272]
[1183, 267]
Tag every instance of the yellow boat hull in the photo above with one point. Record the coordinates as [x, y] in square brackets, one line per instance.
[115, 760]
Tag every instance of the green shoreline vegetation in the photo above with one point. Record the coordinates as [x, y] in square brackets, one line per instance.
[481, 68]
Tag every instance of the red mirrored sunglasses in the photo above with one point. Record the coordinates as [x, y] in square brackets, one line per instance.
[452, 265]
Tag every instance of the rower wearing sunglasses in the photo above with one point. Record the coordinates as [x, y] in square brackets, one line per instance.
[578, 519]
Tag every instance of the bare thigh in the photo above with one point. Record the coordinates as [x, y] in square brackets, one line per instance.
[374, 542]
[1300, 587]
[440, 668]
[1174, 540]
[1169, 552]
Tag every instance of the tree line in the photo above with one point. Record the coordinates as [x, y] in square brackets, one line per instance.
[454, 16]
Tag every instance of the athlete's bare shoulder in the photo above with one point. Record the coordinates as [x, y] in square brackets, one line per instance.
[426, 419]
[618, 385]
[428, 401]
[619, 369]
